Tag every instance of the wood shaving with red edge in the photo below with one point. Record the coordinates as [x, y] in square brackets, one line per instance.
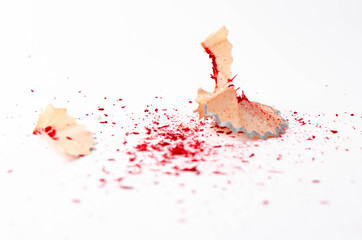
[63, 132]
[225, 105]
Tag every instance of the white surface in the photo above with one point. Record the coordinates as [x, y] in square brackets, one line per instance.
[284, 54]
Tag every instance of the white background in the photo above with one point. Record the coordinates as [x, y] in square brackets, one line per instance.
[300, 56]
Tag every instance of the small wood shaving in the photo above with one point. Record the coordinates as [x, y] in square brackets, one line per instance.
[63, 132]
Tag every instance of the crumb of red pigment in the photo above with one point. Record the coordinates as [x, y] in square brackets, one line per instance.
[31, 90]
[334, 131]
[103, 182]
[75, 201]
[311, 138]
[119, 180]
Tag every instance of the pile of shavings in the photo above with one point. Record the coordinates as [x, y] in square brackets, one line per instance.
[225, 105]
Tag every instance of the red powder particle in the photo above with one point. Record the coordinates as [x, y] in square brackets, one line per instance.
[179, 149]
[142, 147]
[31, 90]
[104, 170]
[75, 201]
[191, 169]
[69, 138]
[301, 121]
[251, 155]
[104, 122]
[334, 131]
[100, 109]
[311, 138]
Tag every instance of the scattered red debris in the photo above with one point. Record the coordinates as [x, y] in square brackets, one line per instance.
[163, 141]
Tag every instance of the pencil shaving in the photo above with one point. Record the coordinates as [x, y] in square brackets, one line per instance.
[63, 132]
[225, 105]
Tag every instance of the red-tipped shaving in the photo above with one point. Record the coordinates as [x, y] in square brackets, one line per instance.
[229, 109]
[63, 132]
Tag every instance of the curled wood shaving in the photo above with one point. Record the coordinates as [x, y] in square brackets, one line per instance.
[225, 105]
